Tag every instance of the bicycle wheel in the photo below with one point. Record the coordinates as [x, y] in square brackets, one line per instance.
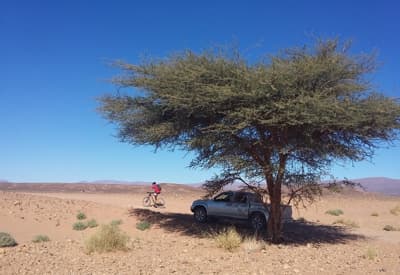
[146, 201]
[160, 202]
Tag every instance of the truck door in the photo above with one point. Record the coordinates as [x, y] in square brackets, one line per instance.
[221, 204]
[240, 206]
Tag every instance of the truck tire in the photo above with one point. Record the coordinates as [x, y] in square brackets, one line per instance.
[200, 214]
[257, 221]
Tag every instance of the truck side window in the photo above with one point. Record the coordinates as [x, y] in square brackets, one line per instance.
[223, 197]
[240, 198]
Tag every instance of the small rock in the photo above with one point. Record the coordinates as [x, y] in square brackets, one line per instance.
[296, 270]
[286, 266]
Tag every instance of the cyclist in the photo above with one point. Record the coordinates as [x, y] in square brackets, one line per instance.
[156, 190]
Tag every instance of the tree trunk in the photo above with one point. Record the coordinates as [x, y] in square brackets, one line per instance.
[275, 192]
[275, 221]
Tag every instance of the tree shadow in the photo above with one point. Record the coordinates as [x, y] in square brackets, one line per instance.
[294, 232]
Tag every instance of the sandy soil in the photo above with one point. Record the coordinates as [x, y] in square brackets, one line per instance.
[175, 244]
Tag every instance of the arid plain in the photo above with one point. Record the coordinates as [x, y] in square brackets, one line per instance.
[315, 242]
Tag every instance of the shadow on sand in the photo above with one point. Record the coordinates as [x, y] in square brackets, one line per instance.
[295, 233]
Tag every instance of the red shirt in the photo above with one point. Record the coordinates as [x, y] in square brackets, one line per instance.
[156, 189]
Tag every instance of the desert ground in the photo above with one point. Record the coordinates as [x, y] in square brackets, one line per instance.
[175, 244]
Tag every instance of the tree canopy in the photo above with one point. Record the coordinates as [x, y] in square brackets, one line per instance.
[280, 121]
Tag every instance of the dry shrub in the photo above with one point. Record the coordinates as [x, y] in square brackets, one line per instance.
[390, 228]
[116, 222]
[79, 226]
[334, 212]
[252, 244]
[108, 238]
[349, 223]
[92, 223]
[40, 239]
[228, 239]
[143, 225]
[396, 210]
[370, 254]
[6, 240]
[81, 216]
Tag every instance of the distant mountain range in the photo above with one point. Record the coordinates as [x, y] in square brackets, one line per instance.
[382, 185]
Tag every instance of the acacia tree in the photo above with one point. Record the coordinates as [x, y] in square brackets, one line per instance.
[276, 123]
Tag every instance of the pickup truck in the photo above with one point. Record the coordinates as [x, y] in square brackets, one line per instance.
[236, 205]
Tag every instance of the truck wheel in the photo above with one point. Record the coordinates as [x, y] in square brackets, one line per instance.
[257, 221]
[200, 214]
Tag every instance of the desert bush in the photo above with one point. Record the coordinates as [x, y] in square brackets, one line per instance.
[390, 228]
[348, 223]
[396, 210]
[334, 212]
[252, 244]
[79, 226]
[370, 254]
[7, 240]
[374, 214]
[81, 216]
[108, 238]
[92, 223]
[228, 239]
[143, 225]
[40, 238]
[116, 222]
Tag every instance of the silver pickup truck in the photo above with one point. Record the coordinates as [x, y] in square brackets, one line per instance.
[236, 205]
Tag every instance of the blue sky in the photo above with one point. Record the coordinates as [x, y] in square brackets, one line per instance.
[53, 57]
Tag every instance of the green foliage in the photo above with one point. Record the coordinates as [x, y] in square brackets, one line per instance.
[79, 226]
[81, 216]
[283, 120]
[108, 238]
[7, 240]
[40, 239]
[334, 212]
[92, 223]
[116, 222]
[348, 223]
[143, 225]
[228, 239]
[395, 211]
[390, 228]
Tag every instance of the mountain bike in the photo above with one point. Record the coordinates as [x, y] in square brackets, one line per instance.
[150, 200]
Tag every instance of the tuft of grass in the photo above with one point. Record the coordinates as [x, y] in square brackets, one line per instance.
[79, 226]
[348, 223]
[143, 225]
[92, 223]
[81, 216]
[108, 238]
[370, 254]
[252, 244]
[390, 228]
[40, 239]
[374, 214]
[116, 222]
[334, 212]
[229, 239]
[7, 240]
[396, 210]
